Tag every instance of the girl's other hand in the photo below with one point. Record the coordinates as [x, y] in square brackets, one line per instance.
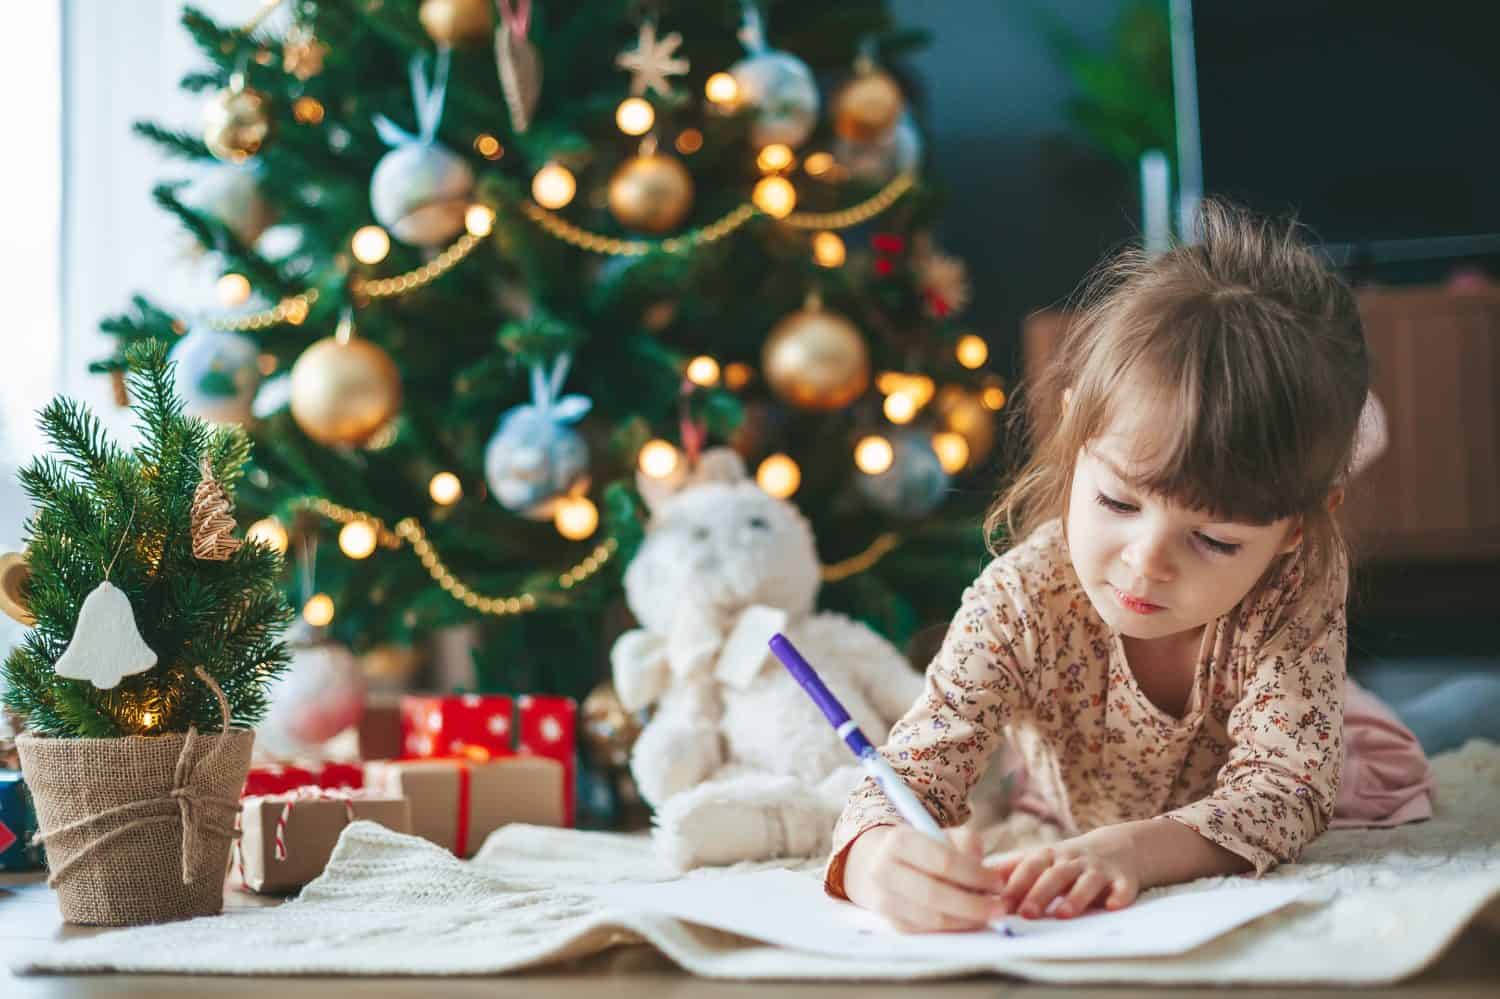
[920, 884]
[1096, 868]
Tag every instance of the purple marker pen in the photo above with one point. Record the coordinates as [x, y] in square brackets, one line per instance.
[900, 795]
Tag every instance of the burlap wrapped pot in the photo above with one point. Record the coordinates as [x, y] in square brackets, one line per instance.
[137, 829]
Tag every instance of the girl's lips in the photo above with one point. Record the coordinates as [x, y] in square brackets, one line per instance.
[1134, 604]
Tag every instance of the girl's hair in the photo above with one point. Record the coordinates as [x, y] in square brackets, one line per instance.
[1245, 355]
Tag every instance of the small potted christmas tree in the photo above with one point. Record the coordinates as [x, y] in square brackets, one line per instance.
[156, 632]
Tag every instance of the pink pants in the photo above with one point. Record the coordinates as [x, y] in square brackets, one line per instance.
[1386, 780]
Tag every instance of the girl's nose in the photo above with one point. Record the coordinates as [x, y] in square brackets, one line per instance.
[1149, 558]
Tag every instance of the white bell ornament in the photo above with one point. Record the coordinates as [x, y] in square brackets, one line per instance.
[106, 646]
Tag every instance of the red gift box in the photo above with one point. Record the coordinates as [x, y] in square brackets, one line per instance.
[339, 776]
[279, 778]
[549, 728]
[276, 778]
[483, 727]
[477, 726]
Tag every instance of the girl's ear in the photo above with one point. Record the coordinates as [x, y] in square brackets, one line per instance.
[1335, 498]
[1293, 538]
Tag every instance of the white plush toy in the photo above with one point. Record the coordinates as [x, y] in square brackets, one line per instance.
[736, 760]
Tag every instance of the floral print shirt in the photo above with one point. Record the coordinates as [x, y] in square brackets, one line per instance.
[1252, 765]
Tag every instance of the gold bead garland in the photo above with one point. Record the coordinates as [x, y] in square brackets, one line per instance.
[429, 272]
[294, 308]
[409, 530]
[865, 560]
[595, 243]
[850, 217]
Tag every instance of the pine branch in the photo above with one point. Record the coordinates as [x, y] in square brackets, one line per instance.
[222, 46]
[184, 145]
[213, 234]
[105, 513]
[80, 437]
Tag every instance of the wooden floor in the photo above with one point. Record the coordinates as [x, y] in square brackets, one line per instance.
[28, 915]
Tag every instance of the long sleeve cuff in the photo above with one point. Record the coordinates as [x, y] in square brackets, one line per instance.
[1266, 825]
[867, 808]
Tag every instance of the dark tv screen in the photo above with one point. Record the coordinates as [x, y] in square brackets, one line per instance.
[1373, 121]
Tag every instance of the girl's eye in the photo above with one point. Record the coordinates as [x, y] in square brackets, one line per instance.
[1221, 547]
[1114, 505]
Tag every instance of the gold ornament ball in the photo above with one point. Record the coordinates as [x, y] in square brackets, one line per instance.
[651, 193]
[964, 413]
[15, 576]
[817, 360]
[456, 22]
[609, 731]
[342, 393]
[236, 123]
[867, 107]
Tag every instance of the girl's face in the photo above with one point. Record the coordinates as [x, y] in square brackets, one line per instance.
[1153, 569]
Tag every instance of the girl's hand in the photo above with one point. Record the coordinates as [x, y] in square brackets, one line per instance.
[1099, 867]
[919, 884]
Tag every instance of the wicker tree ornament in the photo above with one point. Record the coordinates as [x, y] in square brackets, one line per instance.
[213, 519]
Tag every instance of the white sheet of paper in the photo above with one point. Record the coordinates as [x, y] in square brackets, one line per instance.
[791, 910]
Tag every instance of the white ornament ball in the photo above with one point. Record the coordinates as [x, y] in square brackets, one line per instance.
[914, 485]
[321, 694]
[879, 161]
[420, 192]
[532, 460]
[217, 374]
[780, 89]
[232, 195]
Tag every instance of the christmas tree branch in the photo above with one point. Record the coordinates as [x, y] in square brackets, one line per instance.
[181, 144]
[213, 234]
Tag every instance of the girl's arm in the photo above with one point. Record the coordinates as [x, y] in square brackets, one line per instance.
[1273, 796]
[973, 688]
[1109, 866]
[1276, 792]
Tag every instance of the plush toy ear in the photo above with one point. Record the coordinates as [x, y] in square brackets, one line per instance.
[717, 464]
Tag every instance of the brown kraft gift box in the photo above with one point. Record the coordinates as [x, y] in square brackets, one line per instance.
[313, 827]
[457, 803]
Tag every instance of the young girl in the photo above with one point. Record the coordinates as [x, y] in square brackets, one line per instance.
[1164, 648]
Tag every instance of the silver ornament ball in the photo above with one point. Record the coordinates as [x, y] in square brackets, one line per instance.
[217, 374]
[914, 485]
[420, 193]
[780, 89]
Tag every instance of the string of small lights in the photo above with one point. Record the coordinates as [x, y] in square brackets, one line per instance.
[409, 531]
[293, 309]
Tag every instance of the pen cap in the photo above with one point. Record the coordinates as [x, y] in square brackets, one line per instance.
[808, 680]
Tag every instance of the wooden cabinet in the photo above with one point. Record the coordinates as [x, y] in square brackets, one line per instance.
[1434, 494]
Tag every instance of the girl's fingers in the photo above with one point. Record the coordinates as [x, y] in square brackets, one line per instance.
[1024, 875]
[966, 841]
[910, 891]
[1085, 891]
[932, 923]
[1054, 881]
[1122, 891]
[941, 860]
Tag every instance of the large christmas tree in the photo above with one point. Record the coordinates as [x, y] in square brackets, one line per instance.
[524, 253]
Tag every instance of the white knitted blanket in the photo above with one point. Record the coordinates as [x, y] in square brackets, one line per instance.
[1385, 905]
